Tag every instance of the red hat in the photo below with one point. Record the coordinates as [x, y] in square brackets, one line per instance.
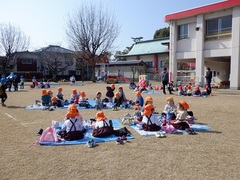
[197, 88]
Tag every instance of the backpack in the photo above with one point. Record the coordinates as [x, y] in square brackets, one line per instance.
[49, 135]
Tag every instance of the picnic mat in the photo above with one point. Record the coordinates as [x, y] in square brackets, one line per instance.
[41, 107]
[195, 127]
[88, 136]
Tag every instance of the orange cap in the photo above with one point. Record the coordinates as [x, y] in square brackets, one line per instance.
[59, 89]
[148, 109]
[74, 91]
[44, 92]
[138, 93]
[83, 94]
[112, 86]
[149, 98]
[184, 104]
[50, 92]
[72, 111]
[54, 99]
[100, 116]
[117, 95]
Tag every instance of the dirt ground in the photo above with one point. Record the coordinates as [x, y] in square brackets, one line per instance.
[207, 155]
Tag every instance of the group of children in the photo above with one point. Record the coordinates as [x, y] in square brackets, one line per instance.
[189, 91]
[172, 115]
[73, 127]
[114, 100]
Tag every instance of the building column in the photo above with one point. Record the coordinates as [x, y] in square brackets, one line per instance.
[172, 52]
[235, 56]
[155, 63]
[137, 57]
[199, 79]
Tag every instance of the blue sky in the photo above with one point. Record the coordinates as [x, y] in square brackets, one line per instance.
[44, 21]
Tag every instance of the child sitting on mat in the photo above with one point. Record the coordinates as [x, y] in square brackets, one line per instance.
[180, 122]
[170, 107]
[139, 101]
[102, 126]
[82, 97]
[74, 97]
[150, 121]
[197, 92]
[59, 93]
[117, 102]
[72, 126]
[46, 99]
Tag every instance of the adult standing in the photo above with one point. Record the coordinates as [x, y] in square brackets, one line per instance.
[209, 79]
[165, 81]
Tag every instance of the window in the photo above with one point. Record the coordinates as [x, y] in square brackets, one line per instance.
[26, 61]
[183, 31]
[150, 64]
[219, 28]
[162, 64]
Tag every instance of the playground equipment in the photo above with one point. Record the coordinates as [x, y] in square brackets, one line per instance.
[112, 78]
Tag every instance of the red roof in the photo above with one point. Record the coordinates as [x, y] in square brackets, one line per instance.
[203, 9]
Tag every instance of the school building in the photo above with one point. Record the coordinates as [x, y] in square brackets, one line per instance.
[208, 36]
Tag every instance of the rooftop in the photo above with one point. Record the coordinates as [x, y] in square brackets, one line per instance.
[202, 10]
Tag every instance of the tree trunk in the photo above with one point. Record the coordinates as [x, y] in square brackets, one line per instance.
[93, 74]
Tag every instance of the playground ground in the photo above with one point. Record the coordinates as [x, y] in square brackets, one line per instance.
[207, 155]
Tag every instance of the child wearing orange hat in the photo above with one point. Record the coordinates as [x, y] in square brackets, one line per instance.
[102, 127]
[59, 94]
[139, 101]
[46, 99]
[74, 97]
[110, 92]
[57, 102]
[150, 121]
[72, 126]
[180, 122]
[82, 97]
[117, 101]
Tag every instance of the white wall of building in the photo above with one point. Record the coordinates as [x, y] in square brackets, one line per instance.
[197, 48]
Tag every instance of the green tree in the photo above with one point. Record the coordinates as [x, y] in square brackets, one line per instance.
[162, 33]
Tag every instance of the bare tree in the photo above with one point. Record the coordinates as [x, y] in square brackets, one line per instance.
[55, 61]
[12, 40]
[91, 31]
